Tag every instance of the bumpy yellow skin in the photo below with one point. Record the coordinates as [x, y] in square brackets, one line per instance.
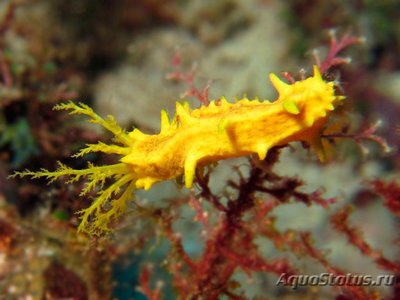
[195, 138]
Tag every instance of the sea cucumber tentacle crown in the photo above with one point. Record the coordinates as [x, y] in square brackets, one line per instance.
[196, 138]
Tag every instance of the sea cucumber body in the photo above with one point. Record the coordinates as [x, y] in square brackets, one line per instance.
[194, 138]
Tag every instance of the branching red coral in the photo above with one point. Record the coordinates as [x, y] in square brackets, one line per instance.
[351, 291]
[391, 194]
[188, 77]
[368, 134]
[340, 221]
[335, 47]
[145, 288]
[230, 244]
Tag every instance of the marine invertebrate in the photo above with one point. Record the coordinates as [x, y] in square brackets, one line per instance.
[195, 138]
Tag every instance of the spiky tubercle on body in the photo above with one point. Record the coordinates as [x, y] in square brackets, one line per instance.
[195, 138]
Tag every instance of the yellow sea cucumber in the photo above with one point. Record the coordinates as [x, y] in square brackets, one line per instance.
[195, 138]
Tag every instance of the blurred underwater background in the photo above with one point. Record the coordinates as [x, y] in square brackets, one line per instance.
[133, 58]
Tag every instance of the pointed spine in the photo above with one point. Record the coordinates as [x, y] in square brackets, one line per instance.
[223, 102]
[317, 73]
[190, 169]
[165, 125]
[182, 113]
[261, 150]
[279, 85]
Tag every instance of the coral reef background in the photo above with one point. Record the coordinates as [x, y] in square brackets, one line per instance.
[118, 57]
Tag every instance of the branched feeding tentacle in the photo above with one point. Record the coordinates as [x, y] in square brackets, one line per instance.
[97, 217]
[110, 124]
[99, 212]
[102, 147]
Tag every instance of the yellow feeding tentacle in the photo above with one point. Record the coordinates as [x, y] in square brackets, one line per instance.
[110, 124]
